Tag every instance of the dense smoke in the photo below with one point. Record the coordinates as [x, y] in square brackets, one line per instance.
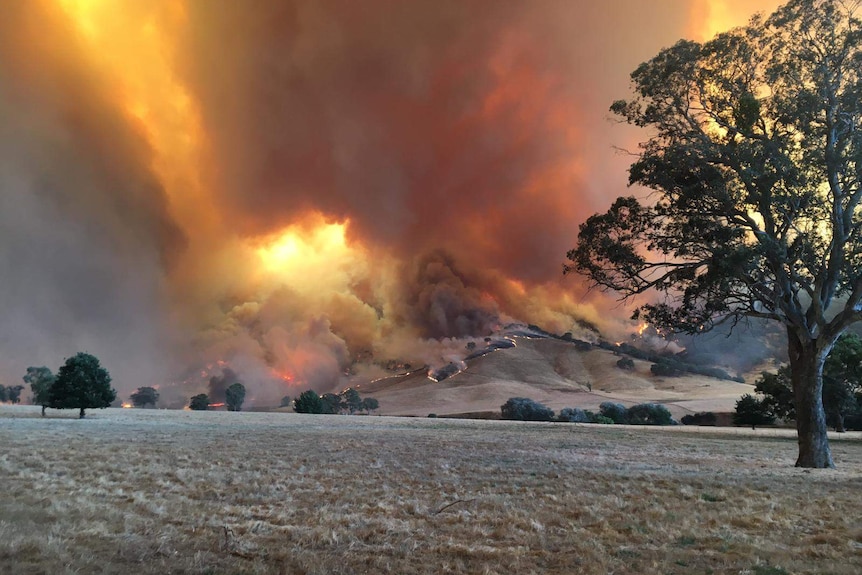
[306, 189]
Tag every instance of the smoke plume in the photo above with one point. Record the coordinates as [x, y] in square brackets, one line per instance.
[303, 189]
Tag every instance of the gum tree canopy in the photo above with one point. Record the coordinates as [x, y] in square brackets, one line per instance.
[755, 158]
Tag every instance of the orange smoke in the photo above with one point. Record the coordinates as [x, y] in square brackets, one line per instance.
[356, 185]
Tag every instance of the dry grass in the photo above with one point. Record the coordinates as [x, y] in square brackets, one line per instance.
[129, 491]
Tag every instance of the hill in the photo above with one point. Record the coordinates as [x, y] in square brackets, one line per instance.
[554, 372]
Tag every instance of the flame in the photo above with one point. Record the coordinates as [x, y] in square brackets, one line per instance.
[127, 405]
[710, 17]
[216, 404]
[643, 327]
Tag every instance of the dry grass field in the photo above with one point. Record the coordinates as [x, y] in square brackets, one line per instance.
[134, 491]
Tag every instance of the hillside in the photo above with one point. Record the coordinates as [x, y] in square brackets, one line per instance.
[555, 373]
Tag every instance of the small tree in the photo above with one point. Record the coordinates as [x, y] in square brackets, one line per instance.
[752, 411]
[352, 400]
[626, 363]
[145, 396]
[524, 409]
[200, 402]
[574, 415]
[308, 402]
[234, 396]
[370, 404]
[82, 383]
[3, 396]
[700, 418]
[13, 393]
[40, 380]
[285, 401]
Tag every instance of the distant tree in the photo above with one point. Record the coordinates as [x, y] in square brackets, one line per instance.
[614, 411]
[285, 401]
[82, 383]
[626, 363]
[3, 396]
[352, 400]
[145, 396]
[574, 415]
[370, 404]
[649, 414]
[40, 380]
[13, 393]
[200, 402]
[308, 402]
[752, 411]
[234, 396]
[777, 393]
[524, 409]
[332, 403]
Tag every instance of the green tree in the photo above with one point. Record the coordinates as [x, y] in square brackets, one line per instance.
[199, 402]
[752, 411]
[234, 396]
[777, 392]
[351, 400]
[13, 393]
[308, 402]
[81, 383]
[40, 380]
[145, 396]
[332, 403]
[755, 155]
[370, 404]
[525, 409]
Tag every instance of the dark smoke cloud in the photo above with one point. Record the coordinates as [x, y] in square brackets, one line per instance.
[469, 126]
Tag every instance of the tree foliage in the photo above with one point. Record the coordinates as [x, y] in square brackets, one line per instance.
[235, 396]
[81, 383]
[145, 396]
[308, 402]
[752, 411]
[755, 155]
[199, 402]
[40, 380]
[649, 414]
[524, 409]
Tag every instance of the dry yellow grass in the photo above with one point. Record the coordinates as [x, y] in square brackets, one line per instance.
[133, 491]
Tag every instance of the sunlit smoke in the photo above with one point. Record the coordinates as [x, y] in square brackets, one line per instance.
[308, 192]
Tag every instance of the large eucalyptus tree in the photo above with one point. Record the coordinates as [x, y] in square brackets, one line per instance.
[754, 156]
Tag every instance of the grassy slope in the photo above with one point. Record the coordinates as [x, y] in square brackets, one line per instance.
[135, 491]
[554, 373]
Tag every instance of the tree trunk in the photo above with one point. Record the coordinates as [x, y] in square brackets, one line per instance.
[43, 411]
[81, 415]
[806, 367]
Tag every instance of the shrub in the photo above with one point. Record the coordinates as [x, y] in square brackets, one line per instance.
[626, 363]
[699, 418]
[524, 409]
[649, 414]
[616, 412]
[603, 420]
[235, 396]
[573, 415]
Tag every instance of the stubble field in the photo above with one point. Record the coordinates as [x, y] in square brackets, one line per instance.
[134, 491]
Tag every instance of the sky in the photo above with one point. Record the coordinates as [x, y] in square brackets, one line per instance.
[298, 189]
